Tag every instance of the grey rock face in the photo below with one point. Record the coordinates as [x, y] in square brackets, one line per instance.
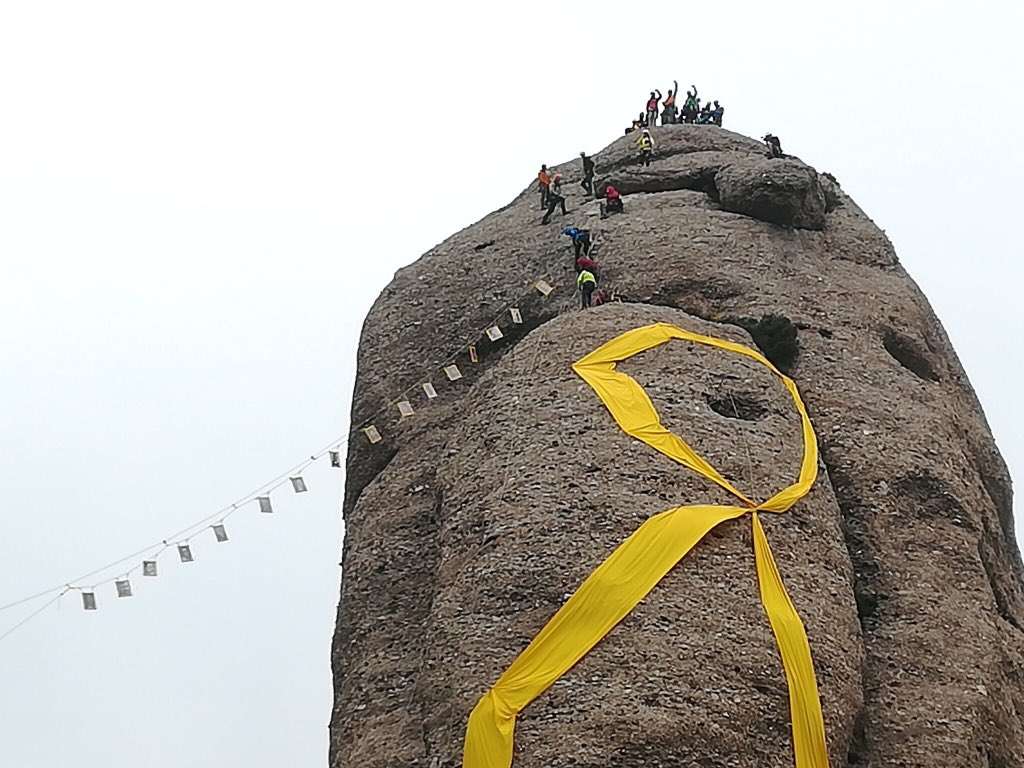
[783, 192]
[470, 522]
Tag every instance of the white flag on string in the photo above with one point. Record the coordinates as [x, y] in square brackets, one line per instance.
[149, 567]
[185, 553]
[123, 587]
[494, 333]
[265, 505]
[335, 458]
[372, 434]
[89, 601]
[452, 372]
[220, 532]
[405, 408]
[298, 484]
[517, 316]
[429, 391]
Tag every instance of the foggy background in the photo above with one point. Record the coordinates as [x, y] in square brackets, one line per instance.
[199, 201]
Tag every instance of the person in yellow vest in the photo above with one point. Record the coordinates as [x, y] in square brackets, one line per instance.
[646, 144]
[586, 282]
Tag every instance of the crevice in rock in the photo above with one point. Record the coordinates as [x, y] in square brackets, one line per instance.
[737, 406]
[431, 554]
[857, 748]
[908, 353]
[364, 465]
[868, 596]
[652, 181]
[988, 555]
[483, 246]
[1000, 493]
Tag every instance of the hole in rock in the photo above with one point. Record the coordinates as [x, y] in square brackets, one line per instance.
[907, 353]
[737, 406]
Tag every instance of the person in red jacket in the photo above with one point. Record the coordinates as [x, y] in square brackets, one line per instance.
[612, 203]
[587, 263]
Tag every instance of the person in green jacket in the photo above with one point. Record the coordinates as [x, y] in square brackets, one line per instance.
[586, 282]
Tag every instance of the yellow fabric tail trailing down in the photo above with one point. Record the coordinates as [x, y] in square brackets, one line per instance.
[642, 560]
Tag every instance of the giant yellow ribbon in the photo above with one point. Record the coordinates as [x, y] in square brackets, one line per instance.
[643, 559]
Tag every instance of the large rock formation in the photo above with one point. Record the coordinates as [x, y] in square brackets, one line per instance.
[471, 522]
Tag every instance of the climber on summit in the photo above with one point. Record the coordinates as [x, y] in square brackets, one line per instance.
[774, 146]
[555, 198]
[612, 203]
[716, 114]
[588, 174]
[586, 282]
[691, 106]
[652, 108]
[668, 115]
[544, 181]
[646, 144]
[580, 240]
[704, 118]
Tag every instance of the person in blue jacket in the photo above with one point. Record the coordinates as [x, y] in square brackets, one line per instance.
[580, 240]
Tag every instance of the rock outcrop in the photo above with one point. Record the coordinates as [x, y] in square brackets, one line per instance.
[471, 521]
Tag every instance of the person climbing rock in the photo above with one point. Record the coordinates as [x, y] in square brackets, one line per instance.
[646, 144]
[580, 240]
[669, 111]
[652, 108]
[612, 202]
[716, 114]
[586, 282]
[691, 106]
[544, 180]
[588, 174]
[555, 198]
[774, 146]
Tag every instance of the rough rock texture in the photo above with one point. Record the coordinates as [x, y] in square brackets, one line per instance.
[469, 524]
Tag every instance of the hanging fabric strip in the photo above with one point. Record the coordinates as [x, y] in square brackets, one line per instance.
[642, 560]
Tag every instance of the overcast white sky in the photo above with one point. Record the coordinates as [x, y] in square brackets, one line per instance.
[200, 200]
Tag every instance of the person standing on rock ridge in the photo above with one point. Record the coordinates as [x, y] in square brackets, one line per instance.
[652, 108]
[646, 144]
[544, 180]
[774, 146]
[586, 282]
[691, 106]
[580, 240]
[555, 198]
[588, 174]
[668, 115]
[717, 113]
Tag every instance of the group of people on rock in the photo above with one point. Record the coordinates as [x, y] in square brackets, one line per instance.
[690, 112]
[552, 196]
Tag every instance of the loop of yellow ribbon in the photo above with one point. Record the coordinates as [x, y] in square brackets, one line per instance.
[642, 560]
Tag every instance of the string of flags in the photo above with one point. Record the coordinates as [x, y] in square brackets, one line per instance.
[510, 312]
[146, 560]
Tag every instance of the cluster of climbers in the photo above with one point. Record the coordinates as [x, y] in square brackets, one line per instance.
[550, 184]
[692, 112]
[551, 198]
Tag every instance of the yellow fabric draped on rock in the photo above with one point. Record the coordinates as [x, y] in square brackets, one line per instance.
[643, 559]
